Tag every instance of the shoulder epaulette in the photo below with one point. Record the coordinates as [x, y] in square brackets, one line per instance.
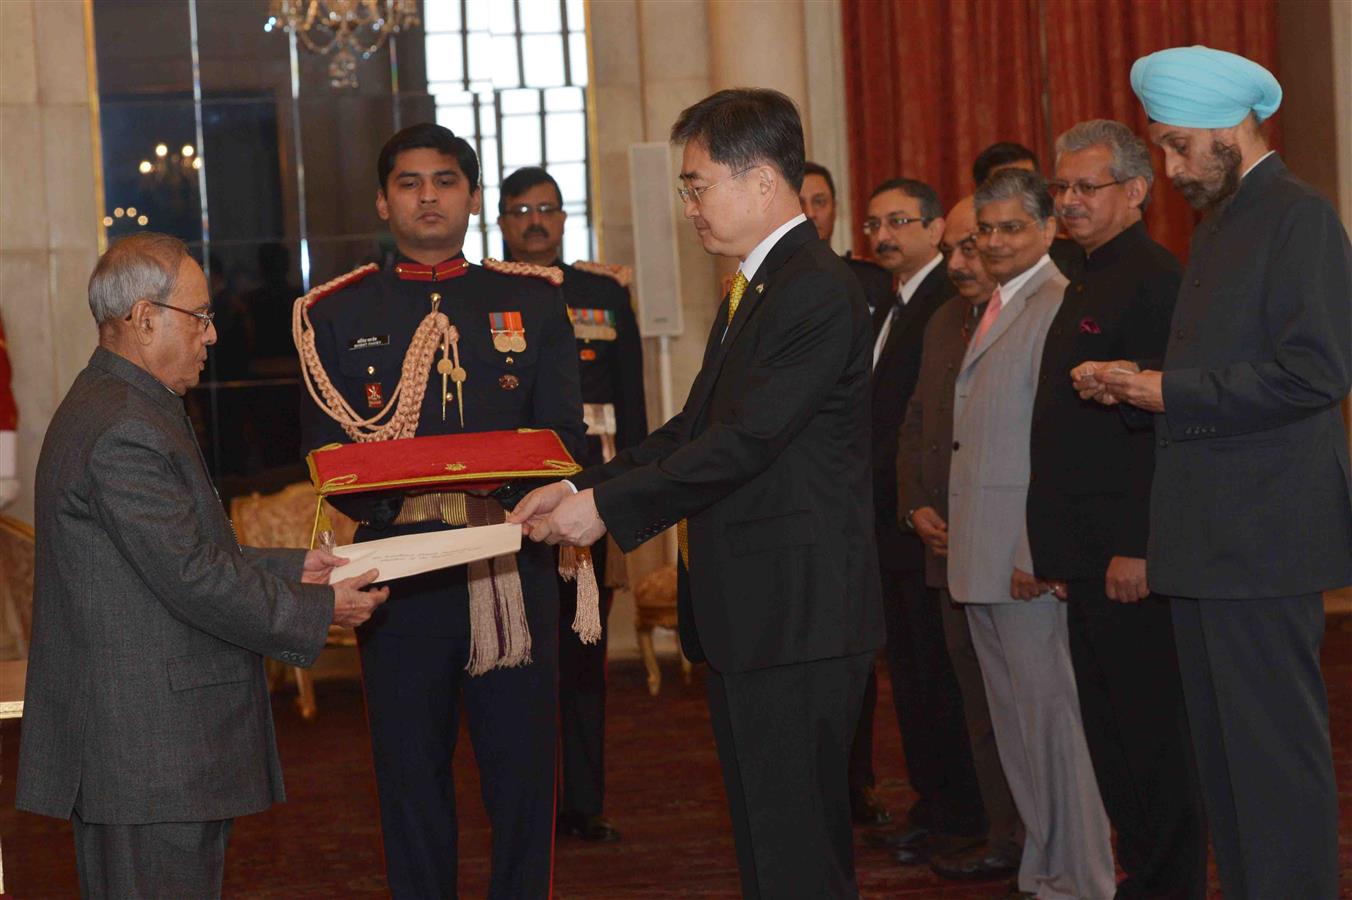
[337, 284]
[622, 274]
[552, 274]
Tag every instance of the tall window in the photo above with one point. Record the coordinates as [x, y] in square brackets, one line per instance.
[510, 76]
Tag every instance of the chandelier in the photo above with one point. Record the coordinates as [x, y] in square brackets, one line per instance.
[348, 29]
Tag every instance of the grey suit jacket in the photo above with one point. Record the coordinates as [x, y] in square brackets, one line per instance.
[992, 414]
[146, 699]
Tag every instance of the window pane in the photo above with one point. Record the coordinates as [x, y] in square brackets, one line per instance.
[517, 102]
[576, 240]
[502, 18]
[444, 61]
[572, 179]
[481, 57]
[563, 100]
[490, 206]
[566, 134]
[543, 56]
[459, 119]
[540, 16]
[505, 74]
[520, 141]
[488, 163]
[474, 243]
[577, 53]
[577, 18]
[441, 15]
[477, 14]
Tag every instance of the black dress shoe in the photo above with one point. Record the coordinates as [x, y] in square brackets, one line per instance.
[589, 828]
[896, 840]
[984, 864]
[865, 808]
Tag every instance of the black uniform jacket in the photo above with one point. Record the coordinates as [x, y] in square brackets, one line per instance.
[1089, 495]
[894, 380]
[362, 333]
[769, 461]
[1252, 495]
[611, 369]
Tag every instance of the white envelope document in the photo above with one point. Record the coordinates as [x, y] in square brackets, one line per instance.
[413, 554]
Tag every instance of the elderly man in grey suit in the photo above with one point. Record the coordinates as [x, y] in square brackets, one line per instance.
[147, 721]
[1018, 625]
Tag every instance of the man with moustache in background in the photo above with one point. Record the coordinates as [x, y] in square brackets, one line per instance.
[1251, 505]
[610, 360]
[818, 196]
[904, 225]
[923, 459]
[1089, 512]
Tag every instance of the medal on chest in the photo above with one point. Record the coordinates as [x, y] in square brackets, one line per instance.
[509, 332]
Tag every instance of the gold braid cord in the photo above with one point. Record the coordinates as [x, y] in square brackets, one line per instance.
[405, 403]
[552, 274]
[622, 274]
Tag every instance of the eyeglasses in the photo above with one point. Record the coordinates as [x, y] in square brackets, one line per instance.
[1008, 229]
[1083, 188]
[206, 318]
[524, 209]
[690, 192]
[894, 221]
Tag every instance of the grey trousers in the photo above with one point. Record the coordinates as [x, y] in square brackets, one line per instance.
[179, 860]
[1024, 650]
[1005, 831]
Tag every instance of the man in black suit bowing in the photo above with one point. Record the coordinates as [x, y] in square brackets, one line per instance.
[905, 225]
[768, 463]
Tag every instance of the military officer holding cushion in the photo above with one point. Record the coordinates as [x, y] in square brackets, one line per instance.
[507, 361]
[610, 357]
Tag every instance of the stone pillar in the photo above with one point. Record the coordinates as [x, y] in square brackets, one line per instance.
[49, 211]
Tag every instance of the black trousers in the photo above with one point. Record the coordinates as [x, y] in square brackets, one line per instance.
[1259, 718]
[582, 701]
[416, 691]
[1131, 703]
[162, 859]
[929, 710]
[783, 737]
[861, 748]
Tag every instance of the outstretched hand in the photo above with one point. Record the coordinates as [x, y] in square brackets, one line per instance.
[555, 515]
[319, 565]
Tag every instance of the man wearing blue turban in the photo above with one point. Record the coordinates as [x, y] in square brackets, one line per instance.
[1251, 506]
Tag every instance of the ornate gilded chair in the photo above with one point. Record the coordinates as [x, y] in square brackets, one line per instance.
[16, 587]
[655, 607]
[285, 519]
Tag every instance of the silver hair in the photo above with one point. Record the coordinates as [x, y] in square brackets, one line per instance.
[140, 267]
[1029, 188]
[1131, 155]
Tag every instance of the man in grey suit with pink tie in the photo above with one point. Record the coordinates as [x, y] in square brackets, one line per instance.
[1018, 624]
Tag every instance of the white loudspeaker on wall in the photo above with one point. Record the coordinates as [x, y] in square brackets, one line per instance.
[657, 272]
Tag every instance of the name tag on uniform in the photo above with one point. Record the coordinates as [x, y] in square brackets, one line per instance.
[375, 340]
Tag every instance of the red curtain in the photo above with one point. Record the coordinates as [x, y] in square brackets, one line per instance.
[930, 83]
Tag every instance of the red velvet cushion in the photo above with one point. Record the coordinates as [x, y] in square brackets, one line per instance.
[462, 462]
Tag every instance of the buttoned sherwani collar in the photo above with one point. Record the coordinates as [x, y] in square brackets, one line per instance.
[121, 367]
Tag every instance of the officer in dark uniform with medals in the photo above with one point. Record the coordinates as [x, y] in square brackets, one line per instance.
[610, 355]
[512, 365]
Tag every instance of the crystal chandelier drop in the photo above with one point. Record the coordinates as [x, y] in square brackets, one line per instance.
[348, 29]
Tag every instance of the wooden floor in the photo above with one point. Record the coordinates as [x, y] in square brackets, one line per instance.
[665, 793]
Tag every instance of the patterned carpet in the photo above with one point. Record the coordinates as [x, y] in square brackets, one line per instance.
[665, 794]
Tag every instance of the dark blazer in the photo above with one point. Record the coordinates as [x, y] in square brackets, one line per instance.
[146, 697]
[925, 443]
[876, 280]
[1252, 494]
[769, 462]
[1089, 489]
[894, 380]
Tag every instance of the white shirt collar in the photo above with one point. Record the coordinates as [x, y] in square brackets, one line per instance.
[1015, 284]
[1255, 164]
[757, 256]
[909, 286]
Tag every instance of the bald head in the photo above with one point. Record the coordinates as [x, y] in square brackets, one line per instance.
[964, 263]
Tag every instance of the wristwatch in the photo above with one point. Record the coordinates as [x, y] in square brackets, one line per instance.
[910, 523]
